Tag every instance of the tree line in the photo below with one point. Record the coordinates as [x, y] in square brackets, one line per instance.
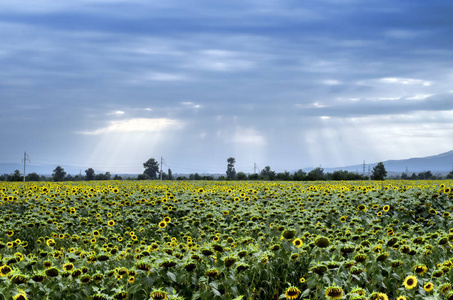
[152, 172]
[59, 174]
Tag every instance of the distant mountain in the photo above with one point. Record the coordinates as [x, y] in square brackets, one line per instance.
[441, 163]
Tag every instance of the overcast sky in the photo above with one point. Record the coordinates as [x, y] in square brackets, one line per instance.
[290, 84]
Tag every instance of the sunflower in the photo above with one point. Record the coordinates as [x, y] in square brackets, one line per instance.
[410, 282]
[99, 297]
[162, 224]
[159, 295]
[47, 264]
[420, 269]
[386, 208]
[292, 293]
[444, 288]
[19, 279]
[212, 273]
[298, 243]
[131, 279]
[5, 270]
[428, 287]
[111, 223]
[38, 277]
[302, 280]
[343, 218]
[85, 278]
[378, 296]
[20, 296]
[334, 292]
[52, 272]
[50, 242]
[68, 267]
[401, 298]
[322, 242]
[358, 291]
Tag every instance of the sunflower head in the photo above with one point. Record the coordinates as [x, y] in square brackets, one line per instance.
[292, 293]
[322, 242]
[410, 282]
[298, 243]
[428, 287]
[420, 269]
[445, 288]
[334, 292]
[159, 295]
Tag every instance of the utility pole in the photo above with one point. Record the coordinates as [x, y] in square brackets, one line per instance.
[25, 162]
[161, 164]
[364, 168]
[254, 168]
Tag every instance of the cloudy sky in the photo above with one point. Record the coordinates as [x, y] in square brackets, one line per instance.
[290, 84]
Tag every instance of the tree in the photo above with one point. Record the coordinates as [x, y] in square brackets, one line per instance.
[267, 173]
[231, 172]
[299, 175]
[151, 168]
[425, 175]
[16, 176]
[316, 174]
[101, 176]
[450, 175]
[170, 175]
[89, 174]
[32, 177]
[241, 176]
[254, 176]
[284, 176]
[58, 174]
[379, 172]
[143, 177]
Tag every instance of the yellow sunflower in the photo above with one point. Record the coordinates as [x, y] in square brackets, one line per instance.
[428, 287]
[162, 224]
[410, 282]
[292, 293]
[298, 243]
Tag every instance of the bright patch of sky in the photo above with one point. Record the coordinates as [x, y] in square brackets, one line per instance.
[290, 84]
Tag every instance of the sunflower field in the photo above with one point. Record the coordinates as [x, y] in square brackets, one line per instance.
[226, 240]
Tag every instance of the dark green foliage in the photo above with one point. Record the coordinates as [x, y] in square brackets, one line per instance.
[151, 168]
[379, 172]
[231, 172]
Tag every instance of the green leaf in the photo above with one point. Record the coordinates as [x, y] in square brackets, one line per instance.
[214, 285]
[172, 276]
[216, 292]
[305, 293]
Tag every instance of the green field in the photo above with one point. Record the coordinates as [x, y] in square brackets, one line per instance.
[226, 240]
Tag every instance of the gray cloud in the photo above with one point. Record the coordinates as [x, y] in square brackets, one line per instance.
[287, 84]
